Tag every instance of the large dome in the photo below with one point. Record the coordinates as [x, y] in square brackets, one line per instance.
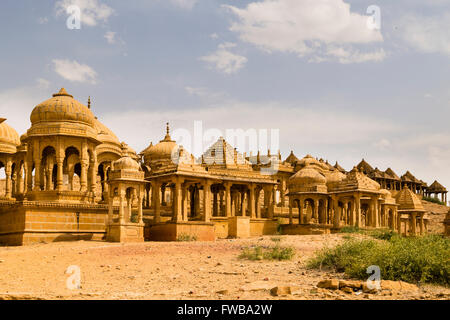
[62, 107]
[9, 138]
[161, 151]
[62, 115]
[307, 179]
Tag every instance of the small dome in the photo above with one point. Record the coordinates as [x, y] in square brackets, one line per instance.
[309, 160]
[307, 179]
[334, 178]
[161, 151]
[126, 163]
[60, 108]
[104, 134]
[9, 138]
[407, 200]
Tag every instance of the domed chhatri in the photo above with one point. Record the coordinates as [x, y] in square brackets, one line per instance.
[162, 150]
[62, 115]
[126, 163]
[62, 107]
[307, 179]
[9, 138]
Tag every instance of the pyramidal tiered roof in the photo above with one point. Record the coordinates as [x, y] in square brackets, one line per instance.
[364, 167]
[436, 187]
[391, 174]
[357, 180]
[409, 177]
[338, 167]
[292, 159]
[222, 153]
[407, 200]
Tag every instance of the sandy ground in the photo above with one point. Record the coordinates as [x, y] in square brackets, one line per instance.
[171, 270]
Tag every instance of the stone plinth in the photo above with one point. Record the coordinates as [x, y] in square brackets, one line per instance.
[305, 229]
[239, 227]
[171, 231]
[125, 232]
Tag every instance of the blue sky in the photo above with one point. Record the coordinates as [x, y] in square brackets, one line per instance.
[311, 69]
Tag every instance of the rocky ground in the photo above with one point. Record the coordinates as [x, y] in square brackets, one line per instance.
[178, 270]
[436, 214]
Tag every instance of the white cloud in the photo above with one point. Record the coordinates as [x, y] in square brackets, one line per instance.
[110, 37]
[16, 104]
[74, 71]
[224, 60]
[214, 36]
[92, 11]
[42, 83]
[321, 29]
[426, 34]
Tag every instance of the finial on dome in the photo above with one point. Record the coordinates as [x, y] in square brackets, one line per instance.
[89, 102]
[62, 92]
[167, 137]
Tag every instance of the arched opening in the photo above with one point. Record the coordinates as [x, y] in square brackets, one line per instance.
[48, 171]
[71, 167]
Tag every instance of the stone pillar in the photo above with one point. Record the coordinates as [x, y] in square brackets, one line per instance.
[121, 204]
[177, 202]
[413, 224]
[421, 224]
[8, 179]
[227, 199]
[184, 202]
[251, 200]
[257, 204]
[163, 195]
[94, 173]
[316, 211]
[215, 204]
[376, 213]
[110, 209]
[83, 178]
[358, 210]
[59, 173]
[140, 213]
[300, 211]
[244, 203]
[291, 218]
[337, 214]
[37, 175]
[197, 201]
[233, 203]
[345, 213]
[156, 188]
[206, 201]
[29, 173]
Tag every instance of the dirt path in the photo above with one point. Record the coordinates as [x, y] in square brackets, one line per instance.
[169, 270]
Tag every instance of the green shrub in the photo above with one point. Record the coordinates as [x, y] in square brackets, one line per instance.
[276, 239]
[411, 259]
[382, 234]
[261, 253]
[186, 237]
[434, 200]
[350, 229]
